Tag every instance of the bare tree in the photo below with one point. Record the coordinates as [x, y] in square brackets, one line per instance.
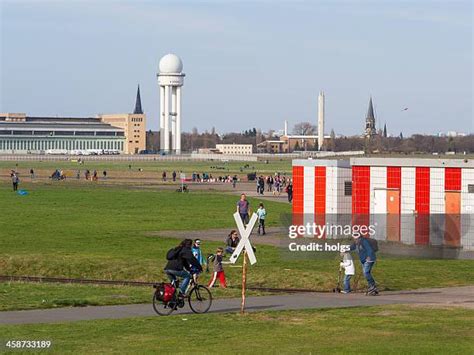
[304, 128]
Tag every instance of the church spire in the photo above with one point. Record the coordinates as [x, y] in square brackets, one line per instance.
[370, 129]
[370, 111]
[138, 103]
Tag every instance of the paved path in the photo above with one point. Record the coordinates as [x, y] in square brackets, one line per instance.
[274, 235]
[454, 296]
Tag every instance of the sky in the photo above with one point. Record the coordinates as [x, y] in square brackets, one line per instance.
[247, 63]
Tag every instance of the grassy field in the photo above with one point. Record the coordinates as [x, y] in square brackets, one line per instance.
[374, 330]
[215, 168]
[22, 295]
[106, 233]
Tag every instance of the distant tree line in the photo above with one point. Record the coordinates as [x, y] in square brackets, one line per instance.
[416, 143]
[194, 140]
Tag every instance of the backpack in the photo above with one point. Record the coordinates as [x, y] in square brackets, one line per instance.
[373, 244]
[164, 292]
[173, 253]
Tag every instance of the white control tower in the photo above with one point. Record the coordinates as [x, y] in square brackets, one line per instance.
[170, 79]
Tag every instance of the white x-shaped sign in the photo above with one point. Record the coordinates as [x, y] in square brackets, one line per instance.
[244, 241]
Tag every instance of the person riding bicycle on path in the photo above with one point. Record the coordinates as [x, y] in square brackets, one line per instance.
[180, 261]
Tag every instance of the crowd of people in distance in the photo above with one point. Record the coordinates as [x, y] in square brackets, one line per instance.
[58, 175]
[275, 185]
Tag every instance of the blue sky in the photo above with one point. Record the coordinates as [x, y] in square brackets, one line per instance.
[247, 63]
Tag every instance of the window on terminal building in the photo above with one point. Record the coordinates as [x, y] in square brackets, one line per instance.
[347, 188]
[470, 188]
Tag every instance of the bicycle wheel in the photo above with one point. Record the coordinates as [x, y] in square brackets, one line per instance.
[200, 299]
[163, 309]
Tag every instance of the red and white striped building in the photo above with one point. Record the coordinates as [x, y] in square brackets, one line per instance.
[413, 201]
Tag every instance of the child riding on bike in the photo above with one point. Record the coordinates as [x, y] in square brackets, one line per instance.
[197, 252]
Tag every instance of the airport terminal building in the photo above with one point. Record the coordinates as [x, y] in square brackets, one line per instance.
[117, 133]
[24, 134]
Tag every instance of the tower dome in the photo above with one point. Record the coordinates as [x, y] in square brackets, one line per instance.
[170, 63]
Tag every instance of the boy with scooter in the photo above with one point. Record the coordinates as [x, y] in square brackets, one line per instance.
[347, 263]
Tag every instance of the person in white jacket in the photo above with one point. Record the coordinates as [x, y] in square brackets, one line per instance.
[349, 270]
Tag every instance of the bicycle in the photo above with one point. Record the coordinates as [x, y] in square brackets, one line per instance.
[199, 299]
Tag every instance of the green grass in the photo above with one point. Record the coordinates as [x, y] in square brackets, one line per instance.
[215, 168]
[19, 295]
[104, 233]
[24, 296]
[374, 330]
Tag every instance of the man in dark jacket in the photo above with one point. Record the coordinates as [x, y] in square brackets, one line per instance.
[367, 259]
[181, 263]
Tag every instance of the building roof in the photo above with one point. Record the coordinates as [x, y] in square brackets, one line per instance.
[50, 119]
[414, 162]
[304, 137]
[341, 163]
[42, 126]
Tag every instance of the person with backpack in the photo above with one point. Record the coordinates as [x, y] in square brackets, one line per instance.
[366, 248]
[180, 262]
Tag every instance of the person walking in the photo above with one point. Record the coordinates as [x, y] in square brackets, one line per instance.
[261, 185]
[243, 207]
[163, 176]
[15, 181]
[289, 191]
[218, 270]
[32, 174]
[174, 176]
[261, 213]
[367, 258]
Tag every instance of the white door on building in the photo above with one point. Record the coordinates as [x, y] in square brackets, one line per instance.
[379, 215]
[380, 201]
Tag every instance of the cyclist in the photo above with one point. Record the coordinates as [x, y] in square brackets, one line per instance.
[180, 262]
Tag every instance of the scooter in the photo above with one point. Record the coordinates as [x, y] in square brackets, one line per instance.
[337, 289]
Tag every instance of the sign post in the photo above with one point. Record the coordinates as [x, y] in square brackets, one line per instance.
[245, 247]
[244, 282]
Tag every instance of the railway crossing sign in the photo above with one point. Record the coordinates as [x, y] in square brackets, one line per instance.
[244, 240]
